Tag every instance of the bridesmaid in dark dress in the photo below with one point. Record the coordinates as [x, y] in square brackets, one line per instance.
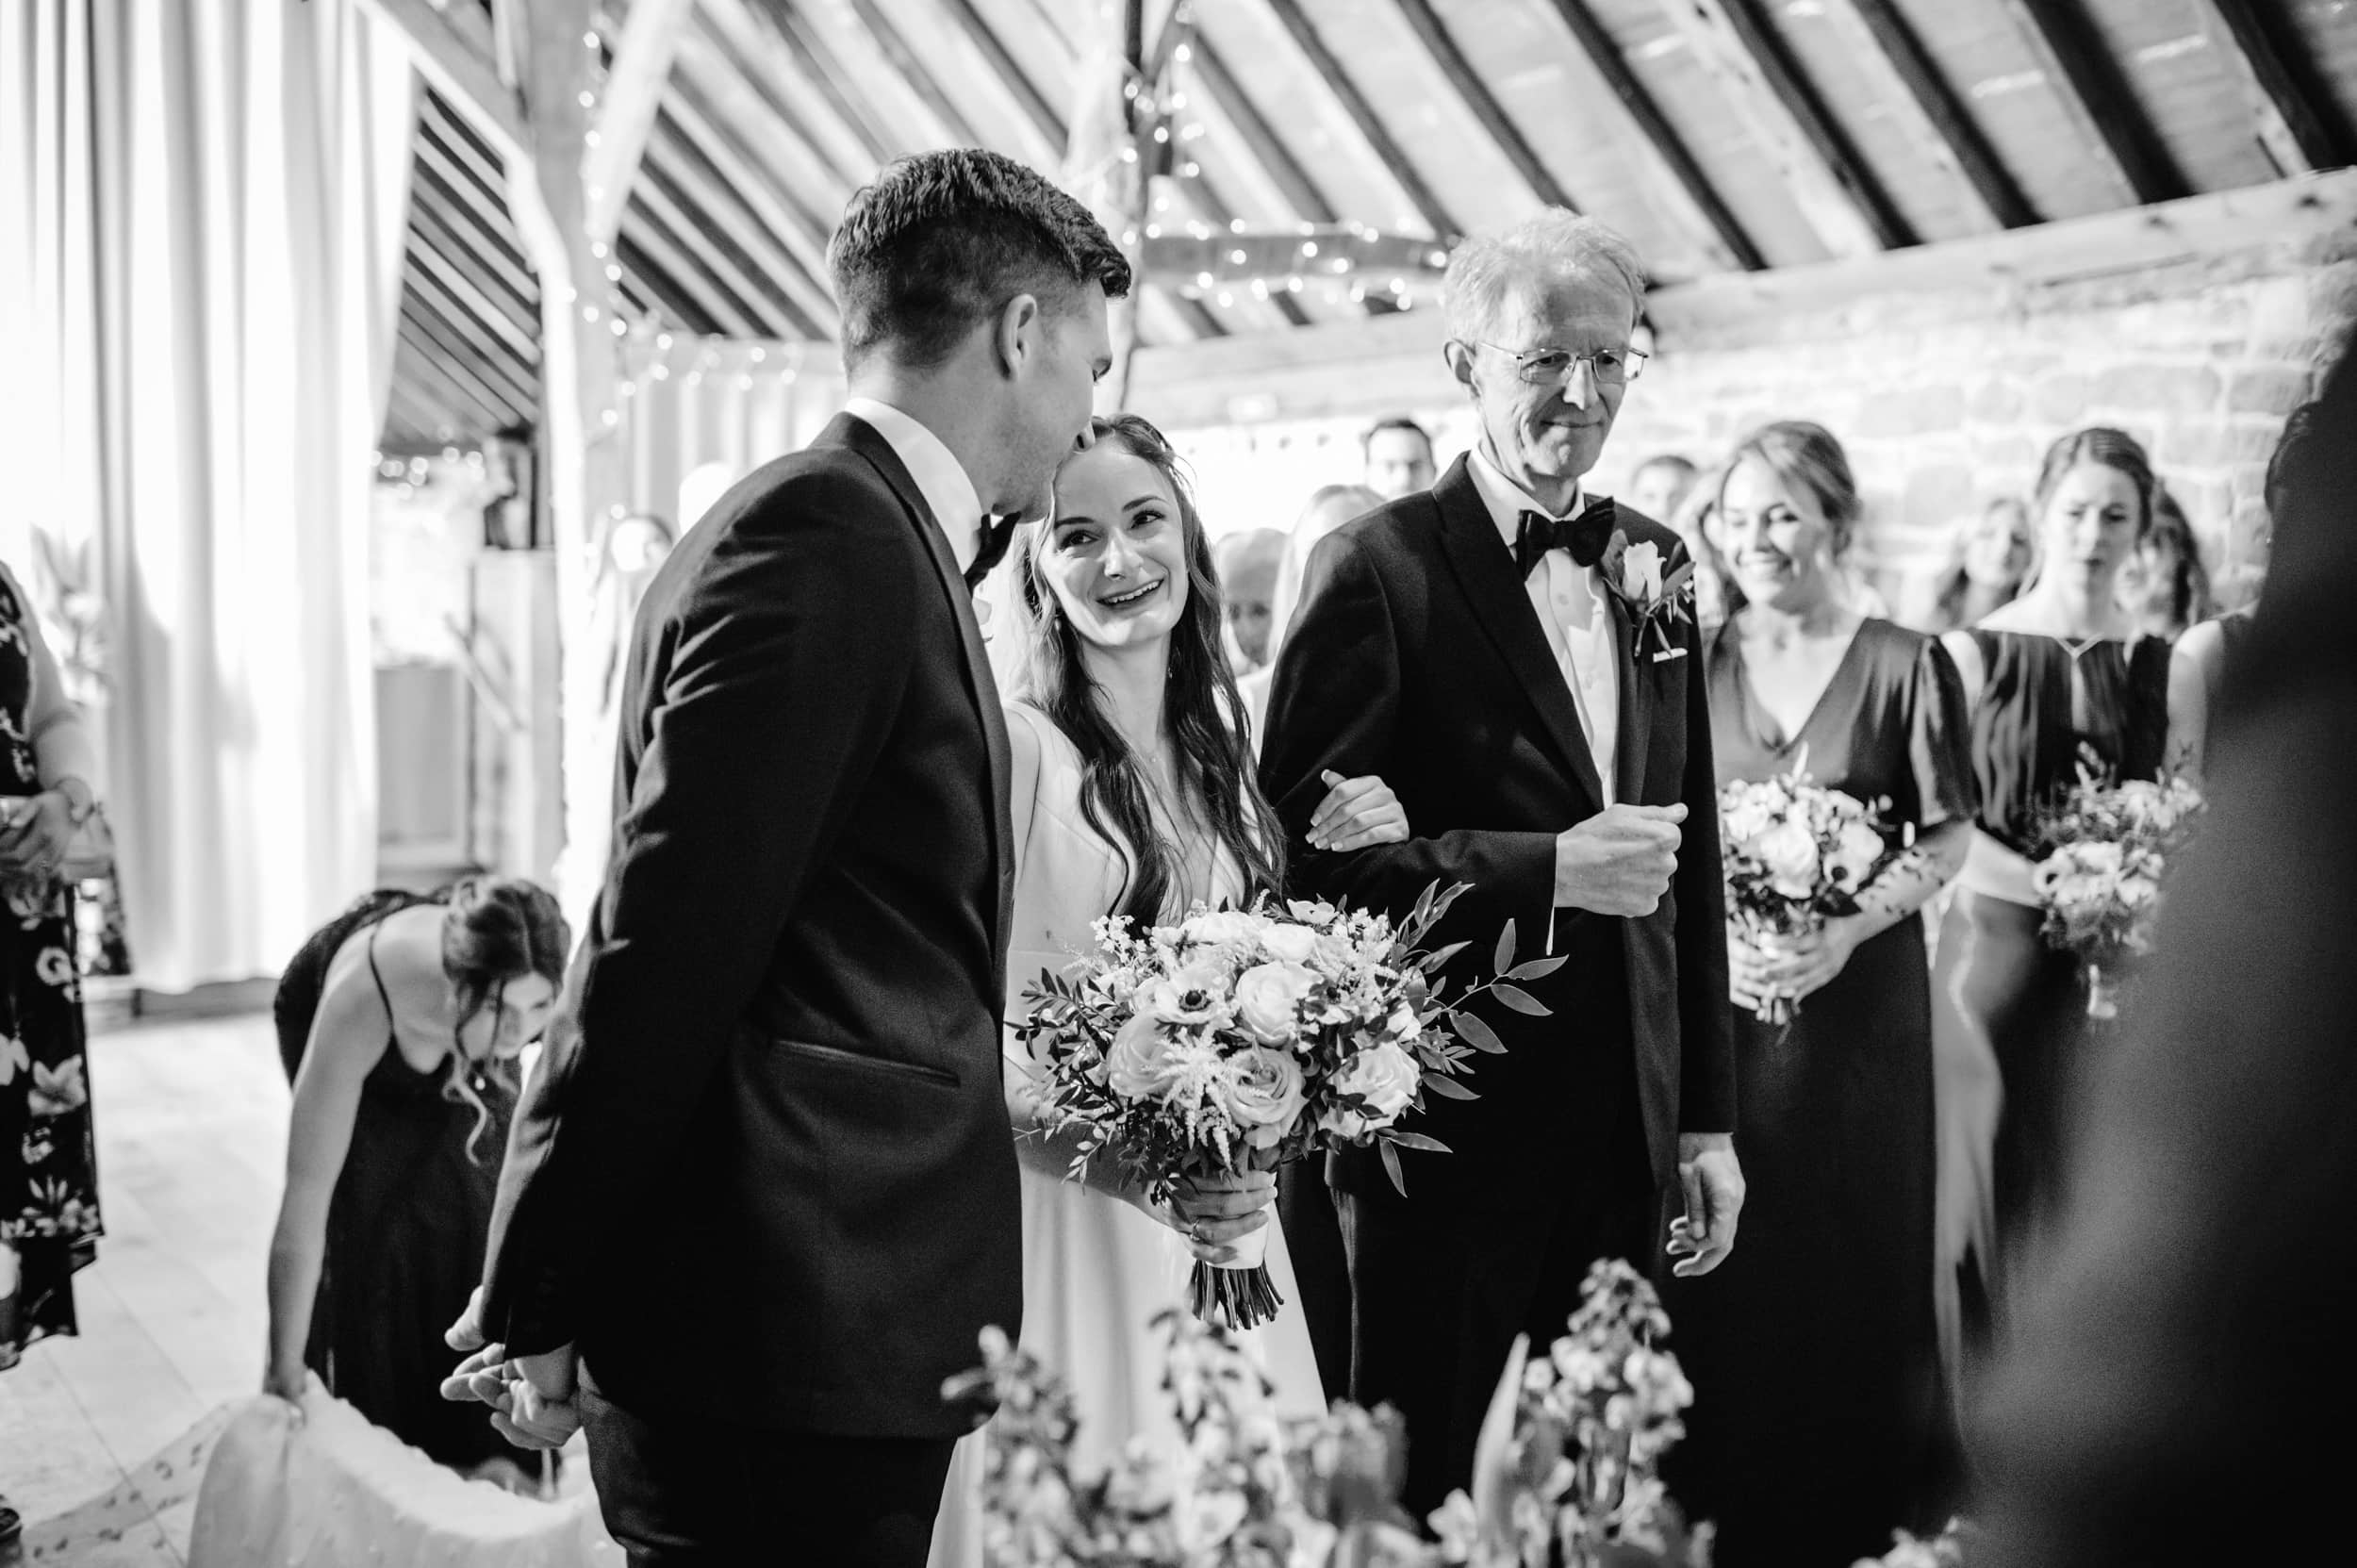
[399, 1023]
[2060, 674]
[1812, 1351]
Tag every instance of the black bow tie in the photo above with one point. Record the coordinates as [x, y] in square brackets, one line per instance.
[990, 541]
[1584, 536]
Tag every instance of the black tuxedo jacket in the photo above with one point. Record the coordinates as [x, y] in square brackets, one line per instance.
[766, 1169]
[1417, 655]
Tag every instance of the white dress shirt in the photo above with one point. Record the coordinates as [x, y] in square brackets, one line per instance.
[941, 479]
[1573, 611]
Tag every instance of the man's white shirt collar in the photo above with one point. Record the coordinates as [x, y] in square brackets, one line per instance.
[941, 479]
[1509, 501]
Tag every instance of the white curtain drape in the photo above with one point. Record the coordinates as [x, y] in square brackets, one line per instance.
[204, 203]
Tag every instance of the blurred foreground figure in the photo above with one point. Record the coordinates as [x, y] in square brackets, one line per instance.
[2186, 1343]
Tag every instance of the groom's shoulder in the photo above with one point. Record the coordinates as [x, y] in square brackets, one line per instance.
[819, 485]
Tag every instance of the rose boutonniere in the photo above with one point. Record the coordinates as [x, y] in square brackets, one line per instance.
[1656, 603]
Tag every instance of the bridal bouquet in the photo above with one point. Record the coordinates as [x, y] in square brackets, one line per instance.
[1796, 854]
[2104, 850]
[1240, 1038]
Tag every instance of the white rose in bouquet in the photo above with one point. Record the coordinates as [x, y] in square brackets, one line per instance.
[1138, 1064]
[1292, 944]
[1269, 998]
[1791, 855]
[1747, 819]
[1386, 1078]
[1265, 1094]
[1332, 955]
[1219, 927]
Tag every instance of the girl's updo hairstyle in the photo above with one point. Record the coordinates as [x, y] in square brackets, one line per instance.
[495, 930]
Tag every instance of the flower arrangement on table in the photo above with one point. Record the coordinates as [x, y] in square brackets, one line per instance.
[1796, 854]
[1567, 1463]
[2104, 849]
[1237, 1039]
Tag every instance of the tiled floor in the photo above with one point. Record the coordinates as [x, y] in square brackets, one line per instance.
[192, 1131]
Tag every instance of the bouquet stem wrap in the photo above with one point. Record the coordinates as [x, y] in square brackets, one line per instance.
[1238, 1292]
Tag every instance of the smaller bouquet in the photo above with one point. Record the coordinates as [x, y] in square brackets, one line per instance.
[2102, 852]
[1796, 854]
[1240, 1038]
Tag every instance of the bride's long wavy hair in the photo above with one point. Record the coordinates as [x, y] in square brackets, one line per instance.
[1202, 712]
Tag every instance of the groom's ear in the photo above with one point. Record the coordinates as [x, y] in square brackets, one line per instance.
[1016, 336]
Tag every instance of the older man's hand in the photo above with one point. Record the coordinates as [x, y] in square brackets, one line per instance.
[531, 1397]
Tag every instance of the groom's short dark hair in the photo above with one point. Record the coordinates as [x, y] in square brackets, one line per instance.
[941, 239]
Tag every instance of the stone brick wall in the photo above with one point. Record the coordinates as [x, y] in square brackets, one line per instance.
[1943, 399]
[1941, 411]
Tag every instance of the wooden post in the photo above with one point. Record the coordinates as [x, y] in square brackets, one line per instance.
[1105, 161]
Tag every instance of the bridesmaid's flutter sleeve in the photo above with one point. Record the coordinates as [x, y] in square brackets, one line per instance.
[1939, 741]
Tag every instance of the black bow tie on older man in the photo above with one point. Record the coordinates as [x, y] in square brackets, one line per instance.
[990, 548]
[1584, 536]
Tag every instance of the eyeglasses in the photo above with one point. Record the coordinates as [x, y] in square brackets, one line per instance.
[1554, 367]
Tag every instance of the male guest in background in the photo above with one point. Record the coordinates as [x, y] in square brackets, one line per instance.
[1398, 455]
[1246, 563]
[1659, 484]
[764, 1184]
[1549, 739]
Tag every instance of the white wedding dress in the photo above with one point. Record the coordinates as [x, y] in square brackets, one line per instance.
[1096, 1270]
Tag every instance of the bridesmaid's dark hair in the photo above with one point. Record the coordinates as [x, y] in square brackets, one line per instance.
[1202, 711]
[494, 930]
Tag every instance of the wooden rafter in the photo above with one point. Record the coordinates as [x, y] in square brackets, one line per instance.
[1325, 63]
[1009, 71]
[1884, 44]
[1828, 180]
[822, 69]
[486, 263]
[679, 202]
[500, 317]
[634, 90]
[913, 70]
[461, 68]
[2084, 76]
[1483, 105]
[2289, 125]
[673, 299]
[447, 324]
[458, 385]
[740, 201]
[1297, 184]
[759, 68]
[1604, 53]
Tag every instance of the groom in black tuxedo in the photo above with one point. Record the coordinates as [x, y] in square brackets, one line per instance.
[1547, 733]
[762, 1193]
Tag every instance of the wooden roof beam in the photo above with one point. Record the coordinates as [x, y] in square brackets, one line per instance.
[920, 81]
[727, 51]
[1475, 95]
[427, 263]
[1604, 53]
[657, 273]
[634, 81]
[818, 64]
[1324, 61]
[461, 67]
[2083, 75]
[1828, 181]
[775, 315]
[1298, 185]
[780, 239]
[1884, 44]
[2290, 127]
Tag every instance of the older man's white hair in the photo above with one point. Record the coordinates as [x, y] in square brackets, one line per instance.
[1486, 269]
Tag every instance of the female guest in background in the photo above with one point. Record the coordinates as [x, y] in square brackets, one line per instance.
[1813, 1351]
[2060, 674]
[1329, 508]
[399, 1023]
[1133, 793]
[49, 1222]
[1992, 559]
[2166, 587]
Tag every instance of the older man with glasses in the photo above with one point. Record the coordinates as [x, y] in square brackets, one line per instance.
[1521, 663]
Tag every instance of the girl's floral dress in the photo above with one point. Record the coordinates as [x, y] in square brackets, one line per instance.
[48, 1155]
